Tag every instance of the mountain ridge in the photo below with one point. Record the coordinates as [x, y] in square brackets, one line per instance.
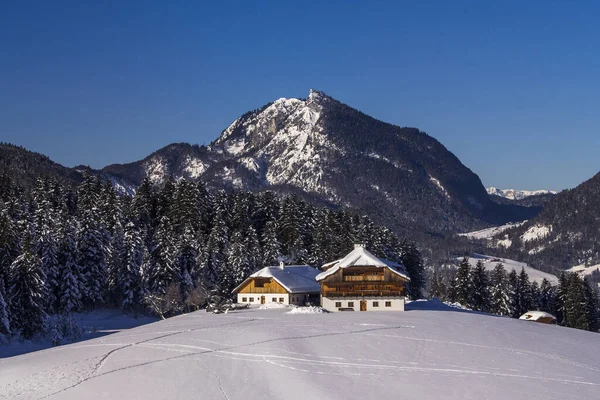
[327, 149]
[330, 153]
[515, 194]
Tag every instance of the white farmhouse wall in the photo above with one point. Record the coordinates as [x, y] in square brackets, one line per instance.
[396, 303]
[255, 298]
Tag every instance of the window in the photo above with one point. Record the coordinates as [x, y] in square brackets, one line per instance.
[388, 303]
[274, 299]
[375, 304]
[281, 299]
[338, 304]
[244, 299]
[350, 304]
[251, 299]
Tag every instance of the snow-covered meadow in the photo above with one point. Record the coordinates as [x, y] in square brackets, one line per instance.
[93, 324]
[429, 352]
[535, 275]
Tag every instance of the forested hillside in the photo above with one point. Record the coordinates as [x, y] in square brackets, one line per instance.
[566, 233]
[64, 250]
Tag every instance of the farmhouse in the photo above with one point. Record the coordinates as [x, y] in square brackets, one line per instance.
[362, 281]
[285, 284]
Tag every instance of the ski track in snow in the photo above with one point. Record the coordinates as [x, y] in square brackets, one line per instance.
[56, 381]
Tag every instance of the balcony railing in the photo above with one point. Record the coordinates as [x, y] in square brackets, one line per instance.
[364, 293]
[265, 290]
[361, 278]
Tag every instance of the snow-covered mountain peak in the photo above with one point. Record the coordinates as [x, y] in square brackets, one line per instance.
[514, 194]
[316, 96]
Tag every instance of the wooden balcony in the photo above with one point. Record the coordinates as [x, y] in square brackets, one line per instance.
[363, 278]
[363, 293]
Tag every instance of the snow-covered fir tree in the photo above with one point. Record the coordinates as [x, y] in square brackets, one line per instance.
[271, 247]
[547, 297]
[186, 261]
[462, 283]
[163, 272]
[92, 259]
[4, 319]
[437, 287]
[237, 261]
[27, 292]
[500, 291]
[480, 296]
[523, 293]
[129, 277]
[513, 293]
[69, 272]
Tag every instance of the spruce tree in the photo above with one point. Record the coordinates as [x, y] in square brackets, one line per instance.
[480, 297]
[27, 292]
[437, 288]
[163, 272]
[561, 298]
[592, 305]
[410, 257]
[535, 296]
[4, 319]
[271, 247]
[253, 249]
[292, 230]
[238, 262]
[575, 304]
[524, 293]
[547, 299]
[9, 246]
[129, 278]
[69, 273]
[92, 260]
[514, 293]
[500, 291]
[462, 283]
[214, 272]
[185, 261]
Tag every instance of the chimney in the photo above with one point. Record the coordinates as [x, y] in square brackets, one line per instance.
[281, 265]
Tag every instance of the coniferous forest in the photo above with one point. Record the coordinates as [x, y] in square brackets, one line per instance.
[166, 250]
[574, 301]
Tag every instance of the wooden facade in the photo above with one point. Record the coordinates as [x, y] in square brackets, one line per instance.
[262, 285]
[363, 281]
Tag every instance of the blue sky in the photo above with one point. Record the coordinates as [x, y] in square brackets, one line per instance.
[512, 87]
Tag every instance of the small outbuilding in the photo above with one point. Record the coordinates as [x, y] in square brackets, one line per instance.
[538, 316]
[285, 284]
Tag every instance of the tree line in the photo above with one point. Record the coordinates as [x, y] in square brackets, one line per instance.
[169, 249]
[574, 300]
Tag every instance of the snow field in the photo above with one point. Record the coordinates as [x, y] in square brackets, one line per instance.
[490, 262]
[433, 352]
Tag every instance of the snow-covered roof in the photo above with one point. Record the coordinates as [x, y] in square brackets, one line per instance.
[294, 278]
[536, 315]
[361, 257]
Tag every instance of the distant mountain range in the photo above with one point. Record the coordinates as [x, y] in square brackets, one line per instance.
[565, 233]
[327, 152]
[513, 194]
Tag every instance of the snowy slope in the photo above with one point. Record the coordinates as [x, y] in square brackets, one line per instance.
[489, 233]
[490, 262]
[93, 324]
[583, 270]
[428, 353]
[514, 194]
